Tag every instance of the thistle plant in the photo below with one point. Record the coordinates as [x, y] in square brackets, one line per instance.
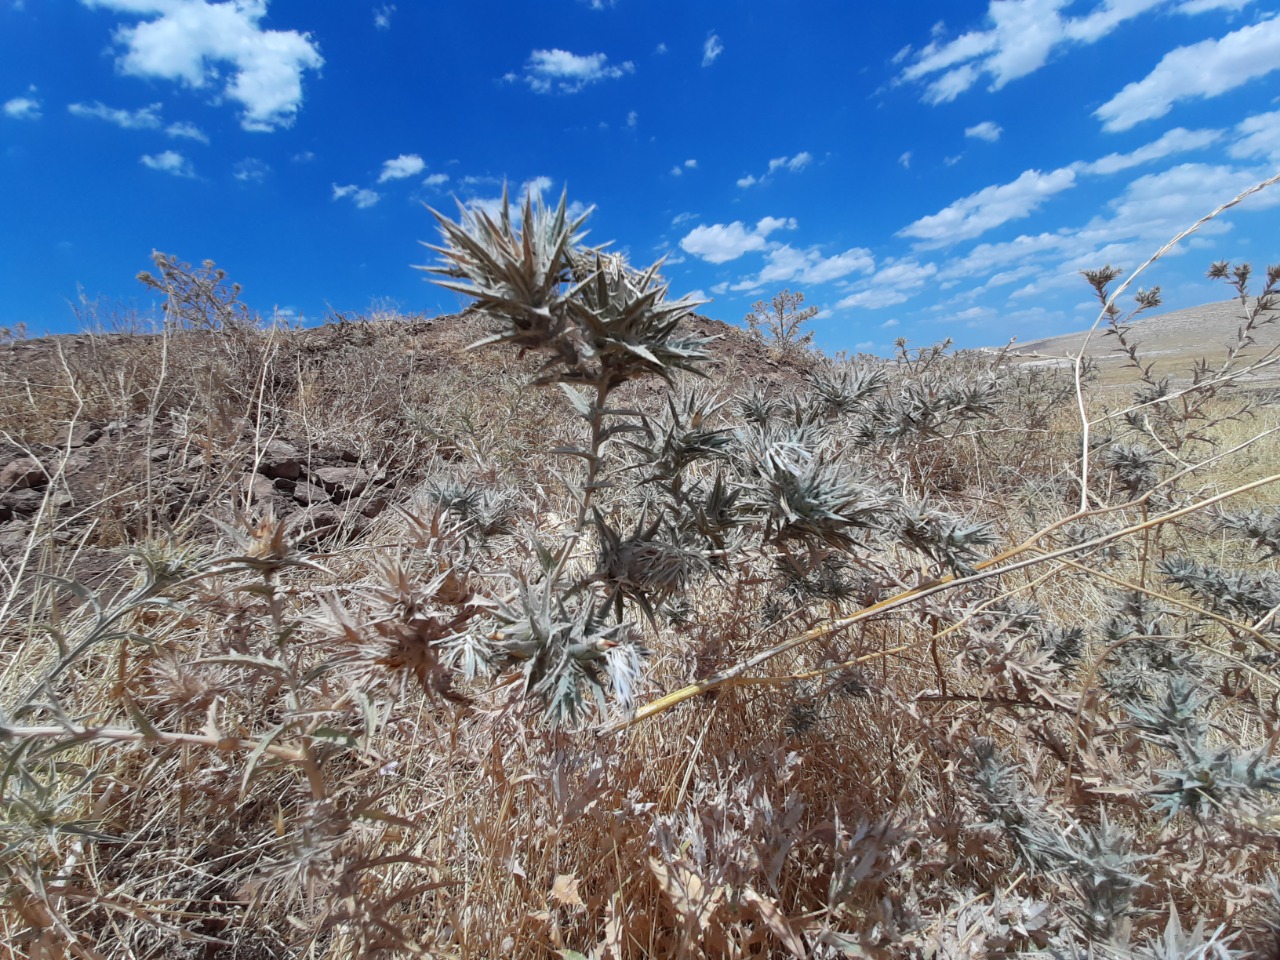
[599, 324]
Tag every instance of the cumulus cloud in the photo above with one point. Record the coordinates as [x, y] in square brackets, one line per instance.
[986, 130]
[895, 282]
[192, 40]
[1202, 70]
[991, 207]
[678, 169]
[711, 49]
[1140, 219]
[720, 243]
[535, 187]
[360, 196]
[22, 108]
[1019, 37]
[405, 165]
[810, 267]
[170, 161]
[559, 71]
[436, 180]
[144, 118]
[1177, 140]
[382, 16]
[904, 160]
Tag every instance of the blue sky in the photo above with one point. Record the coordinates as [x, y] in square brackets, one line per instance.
[925, 170]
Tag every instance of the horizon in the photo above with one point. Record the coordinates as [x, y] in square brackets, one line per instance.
[939, 173]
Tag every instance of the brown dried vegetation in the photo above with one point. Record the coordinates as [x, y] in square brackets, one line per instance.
[277, 604]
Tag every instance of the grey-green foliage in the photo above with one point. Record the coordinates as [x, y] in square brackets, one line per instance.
[1204, 777]
[692, 490]
[1260, 526]
[1097, 863]
[1236, 593]
[598, 324]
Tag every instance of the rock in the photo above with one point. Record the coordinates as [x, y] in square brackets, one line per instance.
[27, 502]
[84, 435]
[373, 507]
[23, 473]
[315, 522]
[261, 488]
[343, 482]
[280, 460]
[308, 494]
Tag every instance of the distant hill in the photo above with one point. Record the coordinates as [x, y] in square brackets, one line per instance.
[1174, 341]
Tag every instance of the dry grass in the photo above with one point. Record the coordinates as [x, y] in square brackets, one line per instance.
[242, 738]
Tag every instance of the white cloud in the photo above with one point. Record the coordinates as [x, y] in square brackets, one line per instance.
[536, 187]
[170, 161]
[889, 324]
[382, 16]
[794, 164]
[187, 131]
[896, 282]
[187, 40]
[144, 118]
[790, 164]
[405, 165]
[251, 170]
[1020, 37]
[1204, 6]
[979, 212]
[680, 218]
[721, 243]
[1177, 140]
[872, 298]
[679, 169]
[904, 160]
[768, 225]
[306, 156]
[1138, 221]
[986, 130]
[784, 263]
[711, 50]
[1204, 69]
[1259, 136]
[436, 180]
[22, 108]
[632, 118]
[564, 72]
[361, 197]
